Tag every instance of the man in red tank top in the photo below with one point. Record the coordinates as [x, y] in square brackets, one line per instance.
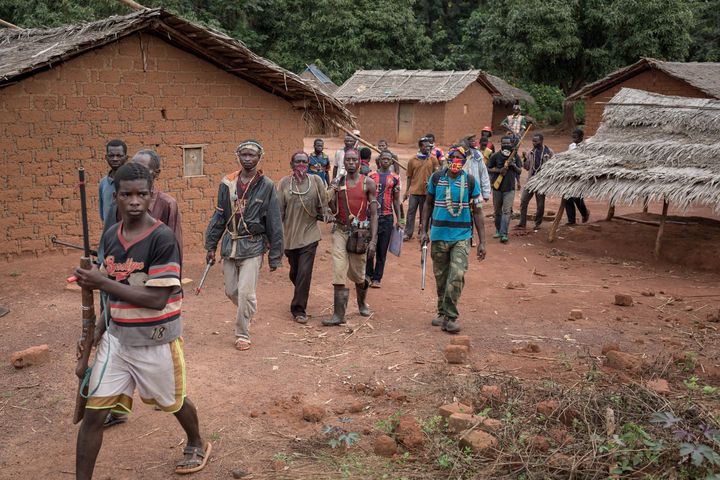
[352, 197]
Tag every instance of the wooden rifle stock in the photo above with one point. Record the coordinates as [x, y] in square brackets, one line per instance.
[500, 177]
[88, 311]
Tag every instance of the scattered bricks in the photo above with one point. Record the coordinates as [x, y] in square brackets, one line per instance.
[279, 465]
[532, 348]
[623, 300]
[492, 394]
[609, 347]
[460, 340]
[409, 433]
[659, 386]
[560, 436]
[479, 442]
[547, 407]
[254, 414]
[713, 317]
[514, 285]
[491, 425]
[459, 422]
[538, 443]
[339, 409]
[552, 290]
[456, 354]
[647, 293]
[313, 413]
[36, 355]
[385, 446]
[560, 462]
[622, 361]
[356, 407]
[568, 416]
[576, 314]
[446, 410]
[398, 396]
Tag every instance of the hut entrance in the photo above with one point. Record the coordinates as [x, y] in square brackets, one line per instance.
[405, 122]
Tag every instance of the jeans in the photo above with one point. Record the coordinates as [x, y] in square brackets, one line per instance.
[301, 262]
[376, 266]
[414, 202]
[502, 204]
[570, 205]
[450, 262]
[525, 198]
[241, 276]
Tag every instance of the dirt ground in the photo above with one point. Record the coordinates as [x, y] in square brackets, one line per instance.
[250, 403]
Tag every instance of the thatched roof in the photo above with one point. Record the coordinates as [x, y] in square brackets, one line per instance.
[313, 75]
[704, 76]
[648, 146]
[424, 86]
[26, 52]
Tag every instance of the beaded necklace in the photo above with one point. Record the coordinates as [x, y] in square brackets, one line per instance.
[448, 196]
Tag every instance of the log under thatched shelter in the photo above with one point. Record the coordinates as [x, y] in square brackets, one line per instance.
[402, 105]
[648, 147]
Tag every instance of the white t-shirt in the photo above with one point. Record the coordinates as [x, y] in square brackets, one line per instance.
[340, 161]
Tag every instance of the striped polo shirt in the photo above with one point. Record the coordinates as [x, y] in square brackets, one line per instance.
[445, 226]
[151, 260]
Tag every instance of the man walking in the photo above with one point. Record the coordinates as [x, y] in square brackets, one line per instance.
[115, 156]
[504, 195]
[516, 124]
[302, 202]
[319, 163]
[579, 202]
[354, 236]
[453, 204]
[389, 217]
[339, 166]
[533, 162]
[419, 170]
[247, 218]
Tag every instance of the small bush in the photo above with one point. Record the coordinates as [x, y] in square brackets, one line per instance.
[548, 107]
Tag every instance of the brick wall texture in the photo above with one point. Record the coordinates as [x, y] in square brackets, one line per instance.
[650, 80]
[59, 119]
[448, 121]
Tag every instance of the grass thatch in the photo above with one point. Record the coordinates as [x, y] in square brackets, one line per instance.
[424, 86]
[26, 52]
[704, 76]
[648, 146]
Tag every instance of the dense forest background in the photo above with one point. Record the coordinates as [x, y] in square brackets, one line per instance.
[549, 47]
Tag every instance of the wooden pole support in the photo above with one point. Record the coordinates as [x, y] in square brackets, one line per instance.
[611, 212]
[5, 24]
[646, 204]
[366, 143]
[558, 216]
[132, 4]
[658, 240]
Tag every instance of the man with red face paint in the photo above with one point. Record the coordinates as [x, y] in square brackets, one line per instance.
[453, 203]
[302, 202]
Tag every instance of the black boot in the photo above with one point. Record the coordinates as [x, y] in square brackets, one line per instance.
[339, 304]
[361, 290]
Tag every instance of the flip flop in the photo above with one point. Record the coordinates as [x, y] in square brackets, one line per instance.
[114, 419]
[195, 463]
[242, 344]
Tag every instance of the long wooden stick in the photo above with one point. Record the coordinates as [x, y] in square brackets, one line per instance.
[556, 222]
[132, 4]
[9, 25]
[511, 158]
[611, 212]
[658, 240]
[365, 142]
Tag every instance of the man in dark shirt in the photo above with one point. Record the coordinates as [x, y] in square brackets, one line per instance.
[533, 162]
[501, 164]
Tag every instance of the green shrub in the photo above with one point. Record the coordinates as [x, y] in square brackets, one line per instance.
[548, 107]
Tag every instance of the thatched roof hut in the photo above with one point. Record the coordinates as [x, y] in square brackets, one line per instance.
[648, 147]
[685, 79]
[402, 105]
[25, 52]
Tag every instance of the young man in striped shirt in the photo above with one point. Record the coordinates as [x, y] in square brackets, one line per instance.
[452, 202]
[142, 347]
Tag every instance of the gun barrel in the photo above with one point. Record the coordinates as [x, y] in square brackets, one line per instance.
[423, 260]
[202, 279]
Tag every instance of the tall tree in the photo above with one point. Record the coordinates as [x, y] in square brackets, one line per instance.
[569, 43]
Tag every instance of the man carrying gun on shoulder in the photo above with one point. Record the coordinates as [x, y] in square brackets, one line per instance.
[453, 203]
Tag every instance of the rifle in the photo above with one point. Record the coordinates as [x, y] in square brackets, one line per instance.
[204, 276]
[55, 241]
[423, 263]
[88, 311]
[500, 177]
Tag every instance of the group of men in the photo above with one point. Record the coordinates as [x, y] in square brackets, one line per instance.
[139, 335]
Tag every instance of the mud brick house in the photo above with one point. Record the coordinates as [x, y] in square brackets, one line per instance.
[403, 105]
[684, 79]
[154, 80]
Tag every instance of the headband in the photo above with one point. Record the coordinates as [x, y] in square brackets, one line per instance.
[299, 152]
[251, 145]
[456, 149]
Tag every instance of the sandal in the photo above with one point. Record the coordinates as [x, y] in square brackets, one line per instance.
[114, 419]
[195, 459]
[242, 344]
[302, 319]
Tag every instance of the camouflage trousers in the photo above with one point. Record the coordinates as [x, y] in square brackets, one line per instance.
[450, 262]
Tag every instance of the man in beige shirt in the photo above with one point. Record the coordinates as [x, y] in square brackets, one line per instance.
[302, 202]
[419, 169]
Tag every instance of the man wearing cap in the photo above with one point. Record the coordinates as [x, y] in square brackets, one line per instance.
[452, 202]
[247, 218]
[486, 133]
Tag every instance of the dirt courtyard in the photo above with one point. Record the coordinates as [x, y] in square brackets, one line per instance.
[250, 403]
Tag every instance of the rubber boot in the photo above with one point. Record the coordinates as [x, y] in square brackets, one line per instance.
[361, 290]
[439, 321]
[451, 326]
[339, 306]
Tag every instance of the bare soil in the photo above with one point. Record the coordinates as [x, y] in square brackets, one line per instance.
[250, 403]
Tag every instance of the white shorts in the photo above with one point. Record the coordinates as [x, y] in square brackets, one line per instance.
[157, 371]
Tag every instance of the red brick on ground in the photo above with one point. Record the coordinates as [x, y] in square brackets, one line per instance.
[36, 355]
[479, 442]
[385, 446]
[456, 354]
[623, 300]
[455, 407]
